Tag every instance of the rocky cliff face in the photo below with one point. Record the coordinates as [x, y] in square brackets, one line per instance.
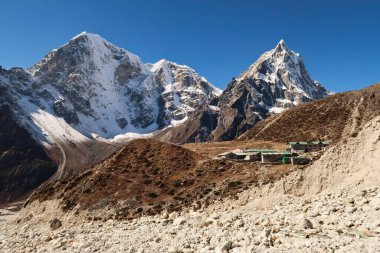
[278, 80]
[184, 90]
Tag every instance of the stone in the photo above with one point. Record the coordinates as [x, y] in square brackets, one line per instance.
[351, 209]
[173, 250]
[48, 238]
[225, 247]
[256, 242]
[362, 193]
[202, 224]
[375, 202]
[179, 221]
[266, 232]
[307, 224]
[265, 221]
[377, 230]
[240, 223]
[55, 224]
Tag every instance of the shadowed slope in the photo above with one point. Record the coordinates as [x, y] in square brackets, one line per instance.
[24, 164]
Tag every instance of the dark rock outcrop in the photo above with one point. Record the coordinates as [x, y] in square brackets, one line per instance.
[23, 162]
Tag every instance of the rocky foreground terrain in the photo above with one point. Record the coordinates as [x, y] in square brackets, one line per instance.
[331, 206]
[341, 222]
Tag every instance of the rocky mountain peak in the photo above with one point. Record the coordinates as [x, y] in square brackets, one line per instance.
[184, 89]
[101, 90]
[85, 52]
[277, 81]
[177, 74]
[282, 73]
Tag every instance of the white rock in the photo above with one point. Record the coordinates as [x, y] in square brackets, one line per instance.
[224, 247]
[179, 221]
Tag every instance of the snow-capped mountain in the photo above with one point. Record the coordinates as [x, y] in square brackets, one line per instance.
[276, 81]
[279, 80]
[89, 87]
[184, 90]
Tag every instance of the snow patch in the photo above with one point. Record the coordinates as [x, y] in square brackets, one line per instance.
[277, 109]
[214, 108]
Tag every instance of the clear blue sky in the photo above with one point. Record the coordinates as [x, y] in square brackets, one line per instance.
[338, 40]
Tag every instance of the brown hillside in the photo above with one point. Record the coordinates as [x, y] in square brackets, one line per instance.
[147, 176]
[332, 118]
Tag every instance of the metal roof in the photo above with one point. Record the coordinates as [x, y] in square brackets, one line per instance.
[243, 153]
[297, 142]
[225, 153]
[305, 143]
[321, 142]
[260, 150]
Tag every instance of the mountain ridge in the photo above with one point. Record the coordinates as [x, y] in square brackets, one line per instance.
[278, 80]
[102, 90]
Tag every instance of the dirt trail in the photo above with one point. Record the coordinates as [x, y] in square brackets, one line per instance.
[62, 165]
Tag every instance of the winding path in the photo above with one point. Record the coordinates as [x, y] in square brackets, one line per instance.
[62, 164]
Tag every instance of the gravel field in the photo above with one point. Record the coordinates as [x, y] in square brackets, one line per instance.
[344, 222]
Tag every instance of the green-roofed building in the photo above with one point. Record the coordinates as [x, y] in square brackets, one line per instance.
[311, 146]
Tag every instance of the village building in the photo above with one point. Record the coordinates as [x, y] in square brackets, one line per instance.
[240, 156]
[270, 156]
[274, 157]
[300, 147]
[255, 155]
[295, 160]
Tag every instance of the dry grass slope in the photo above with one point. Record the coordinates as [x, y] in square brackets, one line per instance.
[147, 176]
[332, 118]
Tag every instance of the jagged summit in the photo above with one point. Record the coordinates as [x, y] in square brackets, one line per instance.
[172, 69]
[284, 72]
[86, 34]
[86, 37]
[184, 89]
[281, 46]
[85, 50]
